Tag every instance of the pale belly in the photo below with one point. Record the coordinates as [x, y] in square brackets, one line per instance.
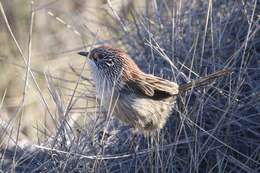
[141, 113]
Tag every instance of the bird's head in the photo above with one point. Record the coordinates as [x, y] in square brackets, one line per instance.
[111, 63]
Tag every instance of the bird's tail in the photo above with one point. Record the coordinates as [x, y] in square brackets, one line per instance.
[204, 80]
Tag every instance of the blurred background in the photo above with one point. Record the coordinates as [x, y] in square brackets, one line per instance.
[44, 83]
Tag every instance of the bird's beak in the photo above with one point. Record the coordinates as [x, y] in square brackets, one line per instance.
[83, 53]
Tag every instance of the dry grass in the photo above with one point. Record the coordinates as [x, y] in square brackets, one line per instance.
[50, 121]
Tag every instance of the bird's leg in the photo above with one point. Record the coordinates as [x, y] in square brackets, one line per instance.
[133, 146]
[153, 147]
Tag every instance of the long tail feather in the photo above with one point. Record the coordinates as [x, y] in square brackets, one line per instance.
[204, 80]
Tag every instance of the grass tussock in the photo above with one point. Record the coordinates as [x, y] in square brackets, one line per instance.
[213, 129]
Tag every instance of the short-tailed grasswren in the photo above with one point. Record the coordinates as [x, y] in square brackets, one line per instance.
[141, 100]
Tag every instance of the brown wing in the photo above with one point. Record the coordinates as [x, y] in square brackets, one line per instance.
[151, 86]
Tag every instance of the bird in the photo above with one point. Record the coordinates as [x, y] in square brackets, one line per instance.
[143, 101]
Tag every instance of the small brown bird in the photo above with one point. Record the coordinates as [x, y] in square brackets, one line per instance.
[141, 100]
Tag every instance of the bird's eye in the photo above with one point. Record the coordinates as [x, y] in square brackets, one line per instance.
[95, 57]
[109, 62]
